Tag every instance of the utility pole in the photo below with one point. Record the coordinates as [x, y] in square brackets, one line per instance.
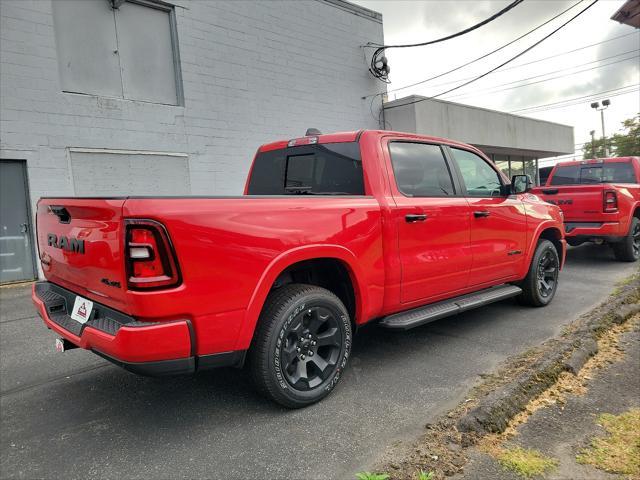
[593, 143]
[596, 106]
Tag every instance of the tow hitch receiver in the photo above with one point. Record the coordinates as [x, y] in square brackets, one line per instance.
[62, 345]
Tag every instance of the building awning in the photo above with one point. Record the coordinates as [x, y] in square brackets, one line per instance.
[629, 13]
[492, 131]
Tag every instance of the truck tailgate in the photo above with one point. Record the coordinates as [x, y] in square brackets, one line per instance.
[578, 202]
[80, 245]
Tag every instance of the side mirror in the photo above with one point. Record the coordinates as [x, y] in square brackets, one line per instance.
[521, 183]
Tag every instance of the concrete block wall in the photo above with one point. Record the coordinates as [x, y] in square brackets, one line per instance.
[252, 71]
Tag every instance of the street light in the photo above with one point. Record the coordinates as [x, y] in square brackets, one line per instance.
[596, 106]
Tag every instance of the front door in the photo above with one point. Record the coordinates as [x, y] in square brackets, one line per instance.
[432, 221]
[16, 251]
[498, 222]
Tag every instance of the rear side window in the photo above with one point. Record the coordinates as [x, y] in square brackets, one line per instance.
[420, 170]
[614, 172]
[328, 169]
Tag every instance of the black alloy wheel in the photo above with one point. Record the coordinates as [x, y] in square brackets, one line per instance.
[301, 345]
[540, 285]
[547, 272]
[628, 248]
[311, 348]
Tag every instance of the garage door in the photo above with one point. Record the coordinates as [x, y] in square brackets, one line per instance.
[116, 173]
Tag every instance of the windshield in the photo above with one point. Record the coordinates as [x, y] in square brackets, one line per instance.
[614, 172]
[328, 169]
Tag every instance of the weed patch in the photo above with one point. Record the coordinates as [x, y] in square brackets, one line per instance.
[526, 462]
[619, 451]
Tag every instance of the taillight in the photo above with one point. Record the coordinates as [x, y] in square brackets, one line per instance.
[610, 201]
[150, 259]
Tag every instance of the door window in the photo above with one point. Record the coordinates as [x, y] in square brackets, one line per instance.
[420, 170]
[480, 179]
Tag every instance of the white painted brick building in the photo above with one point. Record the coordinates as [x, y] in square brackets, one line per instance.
[170, 98]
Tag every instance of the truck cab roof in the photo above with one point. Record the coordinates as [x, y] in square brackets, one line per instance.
[596, 161]
[354, 136]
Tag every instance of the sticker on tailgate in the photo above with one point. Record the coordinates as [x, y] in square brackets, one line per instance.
[82, 309]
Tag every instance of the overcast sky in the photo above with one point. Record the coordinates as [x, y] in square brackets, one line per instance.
[421, 20]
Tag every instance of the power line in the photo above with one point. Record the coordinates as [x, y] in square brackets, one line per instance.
[504, 63]
[379, 68]
[595, 97]
[513, 4]
[569, 51]
[481, 57]
[524, 64]
[582, 98]
[491, 90]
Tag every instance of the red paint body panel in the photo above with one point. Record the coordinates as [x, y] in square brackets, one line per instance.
[168, 341]
[230, 250]
[584, 204]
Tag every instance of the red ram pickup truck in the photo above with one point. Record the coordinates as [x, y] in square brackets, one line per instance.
[333, 231]
[600, 200]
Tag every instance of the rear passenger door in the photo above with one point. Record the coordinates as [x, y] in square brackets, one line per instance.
[432, 221]
[498, 222]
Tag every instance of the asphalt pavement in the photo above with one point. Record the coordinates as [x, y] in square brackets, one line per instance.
[74, 415]
[562, 431]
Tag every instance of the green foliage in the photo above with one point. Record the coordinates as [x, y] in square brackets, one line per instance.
[371, 476]
[619, 451]
[422, 475]
[620, 144]
[526, 462]
[628, 144]
[596, 146]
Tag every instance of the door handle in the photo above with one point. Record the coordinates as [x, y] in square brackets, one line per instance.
[415, 217]
[550, 191]
[481, 213]
[24, 227]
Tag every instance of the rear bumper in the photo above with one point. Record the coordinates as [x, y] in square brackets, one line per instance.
[594, 230]
[147, 348]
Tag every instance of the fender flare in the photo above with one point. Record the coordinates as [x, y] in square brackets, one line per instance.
[546, 225]
[284, 261]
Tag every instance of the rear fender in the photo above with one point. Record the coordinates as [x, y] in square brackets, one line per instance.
[285, 260]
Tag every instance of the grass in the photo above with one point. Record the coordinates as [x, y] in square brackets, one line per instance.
[619, 451]
[372, 476]
[422, 475]
[526, 462]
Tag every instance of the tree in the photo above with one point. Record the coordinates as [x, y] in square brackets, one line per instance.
[598, 146]
[620, 144]
[628, 144]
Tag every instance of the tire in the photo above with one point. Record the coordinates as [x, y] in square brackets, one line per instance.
[540, 284]
[628, 250]
[301, 345]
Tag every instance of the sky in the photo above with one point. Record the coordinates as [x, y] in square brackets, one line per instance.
[598, 68]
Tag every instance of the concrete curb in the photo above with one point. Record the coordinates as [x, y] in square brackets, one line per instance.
[569, 353]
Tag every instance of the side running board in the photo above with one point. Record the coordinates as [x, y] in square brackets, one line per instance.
[435, 311]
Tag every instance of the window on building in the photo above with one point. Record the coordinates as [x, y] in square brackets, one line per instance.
[480, 179]
[130, 52]
[420, 170]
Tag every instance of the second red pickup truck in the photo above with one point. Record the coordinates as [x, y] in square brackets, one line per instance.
[333, 231]
[600, 200]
